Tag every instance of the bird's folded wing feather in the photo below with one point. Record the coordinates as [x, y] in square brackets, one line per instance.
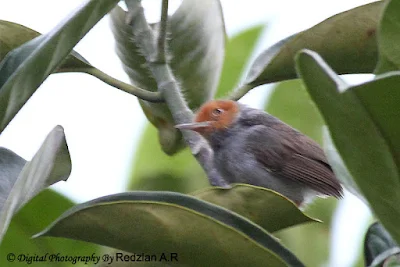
[292, 155]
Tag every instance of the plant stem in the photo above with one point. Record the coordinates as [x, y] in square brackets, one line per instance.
[162, 33]
[168, 86]
[154, 97]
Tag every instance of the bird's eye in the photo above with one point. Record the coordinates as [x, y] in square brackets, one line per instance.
[217, 111]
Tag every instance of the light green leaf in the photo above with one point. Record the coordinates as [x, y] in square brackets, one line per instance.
[347, 41]
[50, 164]
[162, 222]
[262, 206]
[35, 215]
[238, 50]
[25, 68]
[363, 124]
[388, 38]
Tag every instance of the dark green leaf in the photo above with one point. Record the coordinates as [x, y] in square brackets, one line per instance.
[378, 245]
[24, 180]
[35, 215]
[25, 68]
[157, 222]
[339, 167]
[13, 35]
[10, 166]
[388, 38]
[347, 41]
[262, 206]
[291, 103]
[363, 122]
[238, 50]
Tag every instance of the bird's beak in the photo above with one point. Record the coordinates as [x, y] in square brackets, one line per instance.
[195, 126]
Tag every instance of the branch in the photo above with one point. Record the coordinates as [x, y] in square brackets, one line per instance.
[154, 97]
[161, 41]
[170, 89]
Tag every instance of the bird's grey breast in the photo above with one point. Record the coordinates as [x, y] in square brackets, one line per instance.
[234, 159]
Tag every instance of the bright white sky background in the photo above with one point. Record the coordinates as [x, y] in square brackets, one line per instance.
[103, 124]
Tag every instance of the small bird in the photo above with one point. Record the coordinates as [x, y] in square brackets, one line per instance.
[253, 147]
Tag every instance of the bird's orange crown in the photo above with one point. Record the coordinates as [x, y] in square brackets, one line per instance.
[220, 113]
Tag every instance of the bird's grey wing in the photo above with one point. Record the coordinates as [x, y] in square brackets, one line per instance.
[291, 155]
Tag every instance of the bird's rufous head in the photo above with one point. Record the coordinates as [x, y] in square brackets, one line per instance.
[213, 116]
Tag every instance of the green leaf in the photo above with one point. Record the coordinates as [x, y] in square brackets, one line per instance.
[196, 40]
[35, 215]
[363, 122]
[291, 103]
[195, 43]
[339, 167]
[388, 38]
[24, 180]
[378, 246]
[25, 68]
[180, 173]
[347, 41]
[238, 50]
[262, 206]
[13, 35]
[157, 222]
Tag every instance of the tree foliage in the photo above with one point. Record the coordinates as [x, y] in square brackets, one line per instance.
[175, 66]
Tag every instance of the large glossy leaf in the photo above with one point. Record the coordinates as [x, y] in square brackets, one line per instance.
[25, 68]
[195, 43]
[25, 179]
[34, 216]
[388, 38]
[238, 50]
[363, 122]
[262, 206]
[379, 246]
[10, 166]
[347, 41]
[13, 35]
[339, 167]
[291, 103]
[200, 233]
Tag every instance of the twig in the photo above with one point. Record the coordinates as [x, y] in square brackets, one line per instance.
[155, 97]
[162, 33]
[169, 88]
